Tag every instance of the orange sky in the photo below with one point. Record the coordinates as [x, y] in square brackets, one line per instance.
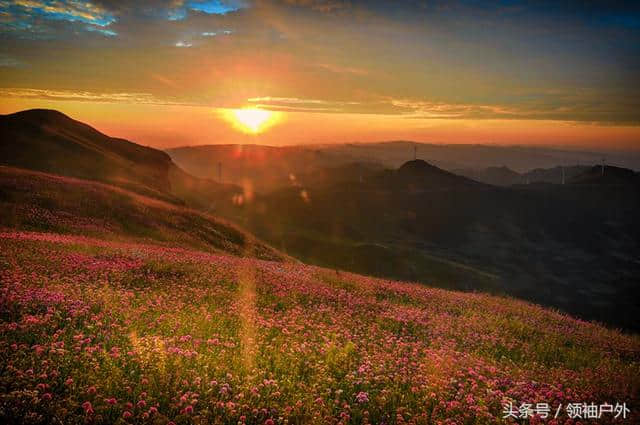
[334, 71]
[170, 126]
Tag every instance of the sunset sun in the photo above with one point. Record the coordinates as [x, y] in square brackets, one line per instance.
[251, 120]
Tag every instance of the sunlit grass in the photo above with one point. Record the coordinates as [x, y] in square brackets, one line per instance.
[134, 333]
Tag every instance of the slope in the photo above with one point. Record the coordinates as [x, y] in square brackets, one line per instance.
[573, 247]
[49, 141]
[45, 202]
[120, 333]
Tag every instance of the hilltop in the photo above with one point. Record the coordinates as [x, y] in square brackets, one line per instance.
[49, 141]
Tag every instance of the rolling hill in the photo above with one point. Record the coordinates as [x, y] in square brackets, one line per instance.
[607, 175]
[36, 201]
[49, 141]
[110, 332]
[117, 307]
[573, 247]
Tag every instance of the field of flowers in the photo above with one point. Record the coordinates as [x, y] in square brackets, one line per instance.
[31, 200]
[96, 331]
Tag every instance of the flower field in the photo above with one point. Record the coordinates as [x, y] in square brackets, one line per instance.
[96, 331]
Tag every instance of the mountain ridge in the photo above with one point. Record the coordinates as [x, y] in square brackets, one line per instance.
[50, 141]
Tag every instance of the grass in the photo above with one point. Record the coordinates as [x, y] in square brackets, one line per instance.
[136, 333]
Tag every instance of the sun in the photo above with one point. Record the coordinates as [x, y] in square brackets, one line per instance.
[251, 120]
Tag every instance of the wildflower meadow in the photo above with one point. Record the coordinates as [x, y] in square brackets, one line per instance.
[96, 331]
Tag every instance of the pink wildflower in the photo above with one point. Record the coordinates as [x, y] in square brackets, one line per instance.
[88, 408]
[362, 397]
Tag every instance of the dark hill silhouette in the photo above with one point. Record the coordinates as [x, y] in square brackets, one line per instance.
[497, 176]
[49, 141]
[553, 174]
[420, 175]
[609, 176]
[504, 176]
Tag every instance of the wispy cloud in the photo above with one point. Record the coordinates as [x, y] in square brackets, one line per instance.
[103, 31]
[573, 108]
[28, 18]
[408, 107]
[70, 10]
[216, 33]
[87, 96]
[294, 104]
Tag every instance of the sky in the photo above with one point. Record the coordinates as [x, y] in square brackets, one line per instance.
[170, 73]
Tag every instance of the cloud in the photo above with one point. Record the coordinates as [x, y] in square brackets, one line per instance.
[70, 10]
[579, 108]
[102, 31]
[86, 96]
[180, 9]
[216, 33]
[36, 19]
[218, 7]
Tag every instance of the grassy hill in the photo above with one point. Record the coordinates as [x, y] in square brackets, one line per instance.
[49, 141]
[38, 201]
[118, 307]
[113, 332]
[573, 247]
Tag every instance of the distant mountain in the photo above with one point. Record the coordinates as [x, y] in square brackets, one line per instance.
[267, 168]
[607, 175]
[497, 176]
[474, 156]
[262, 168]
[355, 172]
[546, 243]
[418, 175]
[504, 176]
[553, 174]
[49, 141]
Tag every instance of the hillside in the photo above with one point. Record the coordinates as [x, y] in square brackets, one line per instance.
[607, 175]
[265, 168]
[419, 175]
[572, 247]
[497, 176]
[102, 332]
[49, 141]
[34, 201]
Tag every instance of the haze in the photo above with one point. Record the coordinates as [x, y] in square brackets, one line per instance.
[185, 72]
